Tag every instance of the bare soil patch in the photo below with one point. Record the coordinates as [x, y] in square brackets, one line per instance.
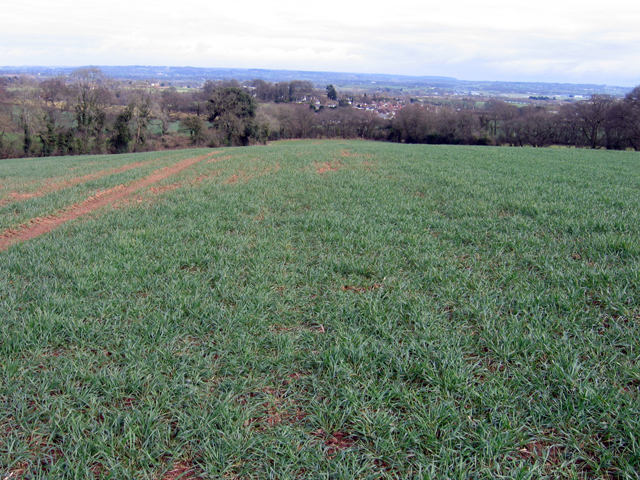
[245, 176]
[54, 187]
[226, 157]
[201, 178]
[233, 179]
[183, 470]
[348, 153]
[166, 188]
[327, 167]
[39, 226]
[17, 471]
[361, 289]
[335, 442]
[276, 407]
[542, 449]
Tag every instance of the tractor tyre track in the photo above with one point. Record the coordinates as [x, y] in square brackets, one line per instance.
[42, 225]
[54, 187]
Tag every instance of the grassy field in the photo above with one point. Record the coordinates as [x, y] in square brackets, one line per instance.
[325, 310]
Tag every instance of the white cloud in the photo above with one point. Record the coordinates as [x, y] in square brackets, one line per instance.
[493, 40]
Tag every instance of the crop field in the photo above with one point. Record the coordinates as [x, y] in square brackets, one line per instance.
[321, 309]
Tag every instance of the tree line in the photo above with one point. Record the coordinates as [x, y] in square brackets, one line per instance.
[88, 112]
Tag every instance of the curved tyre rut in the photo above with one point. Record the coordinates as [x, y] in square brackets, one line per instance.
[41, 225]
[60, 185]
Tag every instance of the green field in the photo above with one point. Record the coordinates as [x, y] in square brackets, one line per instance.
[325, 310]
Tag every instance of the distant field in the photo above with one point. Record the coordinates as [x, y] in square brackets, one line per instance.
[322, 309]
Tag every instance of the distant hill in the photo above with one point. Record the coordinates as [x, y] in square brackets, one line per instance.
[194, 76]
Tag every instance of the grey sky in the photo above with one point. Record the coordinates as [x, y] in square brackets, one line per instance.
[566, 41]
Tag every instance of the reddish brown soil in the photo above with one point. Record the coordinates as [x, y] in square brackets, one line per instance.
[166, 188]
[327, 167]
[17, 472]
[54, 187]
[99, 470]
[183, 471]
[201, 178]
[538, 448]
[39, 226]
[335, 442]
[226, 157]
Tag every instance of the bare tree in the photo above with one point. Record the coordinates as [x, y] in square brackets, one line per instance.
[296, 121]
[171, 105]
[300, 91]
[55, 94]
[568, 126]
[370, 125]
[6, 123]
[496, 116]
[538, 126]
[142, 107]
[268, 122]
[90, 98]
[413, 124]
[630, 117]
[28, 113]
[54, 91]
[131, 128]
[263, 90]
[593, 114]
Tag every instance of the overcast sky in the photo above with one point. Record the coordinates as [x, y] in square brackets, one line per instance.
[552, 41]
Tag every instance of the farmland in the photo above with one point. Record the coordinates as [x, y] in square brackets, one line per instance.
[321, 309]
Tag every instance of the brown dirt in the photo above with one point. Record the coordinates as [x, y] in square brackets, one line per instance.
[39, 226]
[99, 470]
[17, 472]
[359, 289]
[245, 176]
[273, 415]
[335, 442]
[277, 407]
[348, 153]
[166, 188]
[201, 178]
[182, 471]
[226, 157]
[54, 187]
[327, 167]
[538, 449]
